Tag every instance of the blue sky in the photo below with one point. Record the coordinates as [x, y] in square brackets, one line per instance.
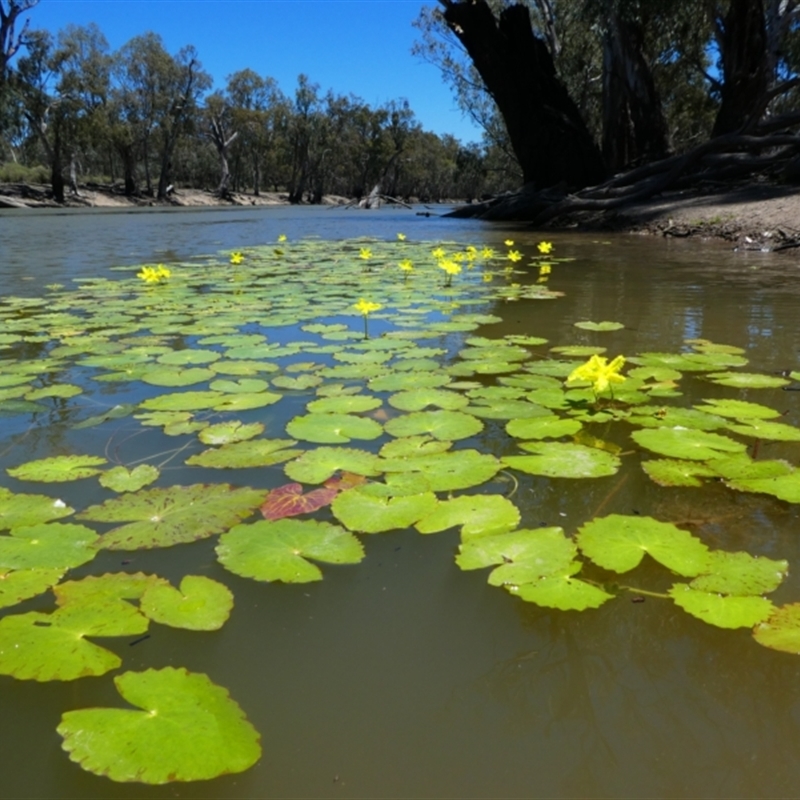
[360, 47]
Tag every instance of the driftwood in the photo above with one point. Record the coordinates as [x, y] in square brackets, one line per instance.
[374, 200]
[720, 160]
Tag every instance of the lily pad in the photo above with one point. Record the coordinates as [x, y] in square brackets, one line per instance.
[362, 512]
[54, 545]
[333, 428]
[177, 377]
[684, 443]
[140, 745]
[672, 472]
[413, 446]
[245, 401]
[189, 356]
[316, 466]
[561, 591]
[740, 574]
[771, 431]
[747, 380]
[720, 610]
[58, 469]
[122, 479]
[742, 410]
[445, 425]
[507, 409]
[671, 417]
[345, 404]
[289, 501]
[784, 487]
[419, 399]
[17, 510]
[399, 381]
[247, 454]
[478, 515]
[549, 427]
[201, 604]
[619, 542]
[22, 584]
[278, 551]
[564, 460]
[179, 514]
[599, 326]
[183, 401]
[449, 471]
[229, 432]
[781, 630]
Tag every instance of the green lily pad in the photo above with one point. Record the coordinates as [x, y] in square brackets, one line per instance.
[333, 428]
[122, 479]
[507, 409]
[201, 604]
[241, 386]
[549, 427]
[165, 517]
[54, 545]
[578, 350]
[399, 381]
[478, 514]
[189, 356]
[672, 472]
[300, 383]
[781, 630]
[564, 460]
[316, 466]
[247, 454]
[561, 591]
[720, 610]
[365, 513]
[740, 466]
[668, 417]
[126, 744]
[685, 443]
[689, 362]
[740, 574]
[419, 399]
[619, 542]
[742, 410]
[707, 346]
[229, 432]
[58, 469]
[747, 380]
[17, 510]
[183, 401]
[245, 401]
[413, 446]
[784, 487]
[59, 390]
[22, 584]
[599, 326]
[771, 431]
[345, 404]
[278, 551]
[449, 471]
[445, 425]
[177, 377]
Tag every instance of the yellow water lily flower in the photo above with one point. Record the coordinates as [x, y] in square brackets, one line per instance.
[545, 269]
[599, 372]
[154, 274]
[458, 257]
[401, 237]
[365, 253]
[450, 266]
[545, 247]
[438, 252]
[487, 277]
[365, 307]
[237, 258]
[509, 242]
[406, 265]
[487, 252]
[282, 237]
[514, 255]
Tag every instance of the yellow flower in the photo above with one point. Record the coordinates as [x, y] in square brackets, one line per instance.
[509, 242]
[487, 277]
[458, 257]
[470, 248]
[450, 267]
[406, 265]
[545, 247]
[365, 253]
[237, 258]
[514, 255]
[365, 307]
[487, 252]
[282, 237]
[598, 372]
[438, 253]
[545, 269]
[153, 274]
[401, 237]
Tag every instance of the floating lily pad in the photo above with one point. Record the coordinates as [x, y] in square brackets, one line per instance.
[449, 471]
[668, 417]
[477, 514]
[177, 377]
[741, 574]
[781, 631]
[300, 383]
[399, 381]
[316, 466]
[672, 472]
[507, 409]
[599, 326]
[22, 584]
[419, 399]
[549, 427]
[141, 745]
[619, 542]
[58, 390]
[684, 443]
[289, 501]
[277, 551]
[183, 401]
[244, 401]
[771, 431]
[707, 346]
[17, 510]
[333, 428]
[189, 356]
[54, 545]
[561, 591]
[362, 512]
[578, 350]
[241, 386]
[720, 610]
[201, 604]
[122, 479]
[738, 409]
[165, 517]
[58, 469]
[740, 466]
[784, 487]
[689, 362]
[444, 425]
[345, 404]
[247, 454]
[564, 460]
[413, 446]
[230, 432]
[747, 380]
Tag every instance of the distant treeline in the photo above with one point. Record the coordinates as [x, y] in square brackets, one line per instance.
[72, 110]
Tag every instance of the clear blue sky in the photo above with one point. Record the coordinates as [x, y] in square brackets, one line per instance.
[360, 47]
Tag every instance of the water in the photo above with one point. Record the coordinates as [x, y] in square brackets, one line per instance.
[404, 676]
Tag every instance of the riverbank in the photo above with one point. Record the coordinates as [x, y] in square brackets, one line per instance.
[753, 216]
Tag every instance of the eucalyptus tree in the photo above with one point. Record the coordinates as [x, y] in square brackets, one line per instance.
[303, 134]
[10, 40]
[219, 127]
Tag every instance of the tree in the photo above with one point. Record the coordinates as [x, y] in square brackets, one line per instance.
[10, 41]
[219, 129]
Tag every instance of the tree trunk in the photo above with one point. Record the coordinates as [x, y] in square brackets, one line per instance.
[634, 127]
[548, 135]
[742, 41]
[56, 168]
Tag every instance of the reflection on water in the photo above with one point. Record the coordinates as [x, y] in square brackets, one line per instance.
[404, 676]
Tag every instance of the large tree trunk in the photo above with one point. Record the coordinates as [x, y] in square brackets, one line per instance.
[742, 40]
[634, 128]
[549, 138]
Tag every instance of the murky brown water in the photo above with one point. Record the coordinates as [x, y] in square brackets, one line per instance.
[406, 677]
